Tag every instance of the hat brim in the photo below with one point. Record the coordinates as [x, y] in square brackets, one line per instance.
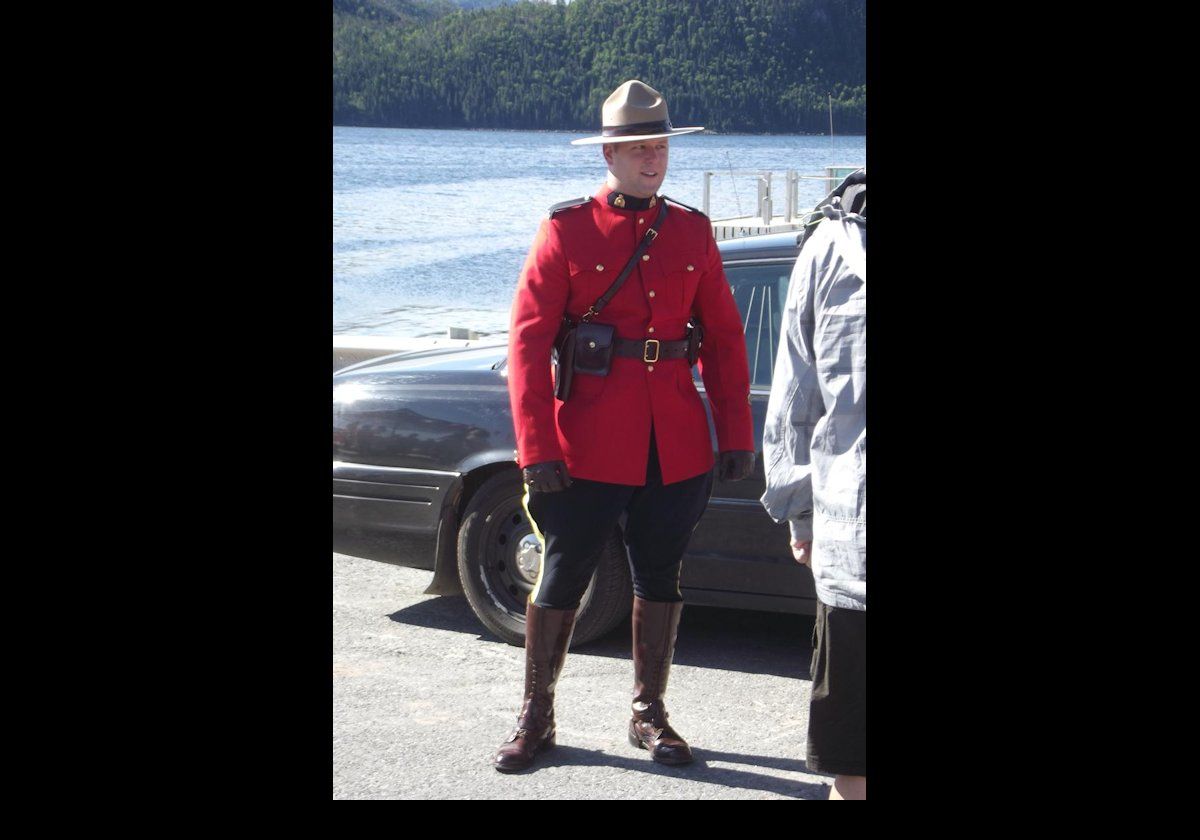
[634, 138]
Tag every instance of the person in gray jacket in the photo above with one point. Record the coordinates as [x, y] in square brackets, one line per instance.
[815, 455]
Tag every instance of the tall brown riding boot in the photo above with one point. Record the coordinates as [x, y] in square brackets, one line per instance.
[547, 637]
[655, 625]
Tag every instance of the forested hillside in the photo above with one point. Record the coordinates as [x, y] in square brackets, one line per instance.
[730, 65]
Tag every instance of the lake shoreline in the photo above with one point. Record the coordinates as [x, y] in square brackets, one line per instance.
[589, 131]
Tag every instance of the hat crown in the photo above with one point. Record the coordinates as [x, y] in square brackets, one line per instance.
[634, 112]
[632, 103]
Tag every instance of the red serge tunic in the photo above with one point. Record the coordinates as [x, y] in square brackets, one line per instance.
[603, 431]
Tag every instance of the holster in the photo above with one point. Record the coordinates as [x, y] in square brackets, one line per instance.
[564, 359]
[695, 338]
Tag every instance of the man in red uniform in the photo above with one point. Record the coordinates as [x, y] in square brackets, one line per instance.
[635, 440]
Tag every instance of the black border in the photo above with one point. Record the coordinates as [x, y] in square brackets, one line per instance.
[947, 480]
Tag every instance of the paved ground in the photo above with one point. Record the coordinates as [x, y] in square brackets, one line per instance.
[423, 695]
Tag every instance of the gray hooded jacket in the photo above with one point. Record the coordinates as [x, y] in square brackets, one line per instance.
[815, 438]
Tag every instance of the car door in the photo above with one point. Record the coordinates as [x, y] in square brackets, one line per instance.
[738, 556]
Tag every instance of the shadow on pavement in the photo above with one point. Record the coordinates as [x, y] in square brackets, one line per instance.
[709, 637]
[450, 612]
[699, 770]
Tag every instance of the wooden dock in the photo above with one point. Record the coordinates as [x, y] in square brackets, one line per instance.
[767, 218]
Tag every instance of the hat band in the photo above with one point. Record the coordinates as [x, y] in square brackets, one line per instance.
[638, 128]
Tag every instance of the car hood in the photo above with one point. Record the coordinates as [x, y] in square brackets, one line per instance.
[442, 409]
[481, 358]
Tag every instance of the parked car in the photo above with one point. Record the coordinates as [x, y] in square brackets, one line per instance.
[423, 450]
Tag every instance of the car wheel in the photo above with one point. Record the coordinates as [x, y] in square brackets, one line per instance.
[499, 557]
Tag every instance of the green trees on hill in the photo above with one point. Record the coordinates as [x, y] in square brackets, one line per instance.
[730, 65]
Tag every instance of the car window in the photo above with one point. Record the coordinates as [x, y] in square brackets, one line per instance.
[760, 292]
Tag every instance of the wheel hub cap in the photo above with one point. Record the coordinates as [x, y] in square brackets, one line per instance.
[529, 557]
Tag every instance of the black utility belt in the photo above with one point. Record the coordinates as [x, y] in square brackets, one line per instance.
[587, 347]
[651, 349]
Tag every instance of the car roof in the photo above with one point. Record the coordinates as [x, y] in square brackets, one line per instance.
[765, 246]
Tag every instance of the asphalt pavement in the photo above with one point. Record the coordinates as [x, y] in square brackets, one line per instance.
[423, 696]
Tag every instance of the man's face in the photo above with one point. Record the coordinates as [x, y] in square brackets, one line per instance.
[637, 168]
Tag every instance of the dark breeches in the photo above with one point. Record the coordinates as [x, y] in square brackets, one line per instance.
[574, 524]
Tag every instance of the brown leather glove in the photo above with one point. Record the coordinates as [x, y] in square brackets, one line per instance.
[547, 477]
[736, 464]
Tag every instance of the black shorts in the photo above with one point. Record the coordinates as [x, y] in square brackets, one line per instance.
[837, 718]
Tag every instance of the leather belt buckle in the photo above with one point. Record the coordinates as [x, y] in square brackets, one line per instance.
[646, 350]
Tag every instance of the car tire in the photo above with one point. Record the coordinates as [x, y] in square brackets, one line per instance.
[494, 528]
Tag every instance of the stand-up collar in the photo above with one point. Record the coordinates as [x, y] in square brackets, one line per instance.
[623, 201]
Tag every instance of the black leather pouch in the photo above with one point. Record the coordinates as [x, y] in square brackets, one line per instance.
[594, 348]
[564, 359]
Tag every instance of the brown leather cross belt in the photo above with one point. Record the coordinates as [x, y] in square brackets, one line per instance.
[650, 349]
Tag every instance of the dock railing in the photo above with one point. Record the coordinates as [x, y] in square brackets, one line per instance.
[766, 203]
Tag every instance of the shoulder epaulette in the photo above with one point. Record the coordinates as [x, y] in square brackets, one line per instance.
[684, 206]
[567, 205]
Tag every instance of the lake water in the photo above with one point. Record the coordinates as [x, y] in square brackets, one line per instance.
[431, 228]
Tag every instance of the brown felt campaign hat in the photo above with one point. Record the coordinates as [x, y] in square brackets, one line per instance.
[633, 112]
